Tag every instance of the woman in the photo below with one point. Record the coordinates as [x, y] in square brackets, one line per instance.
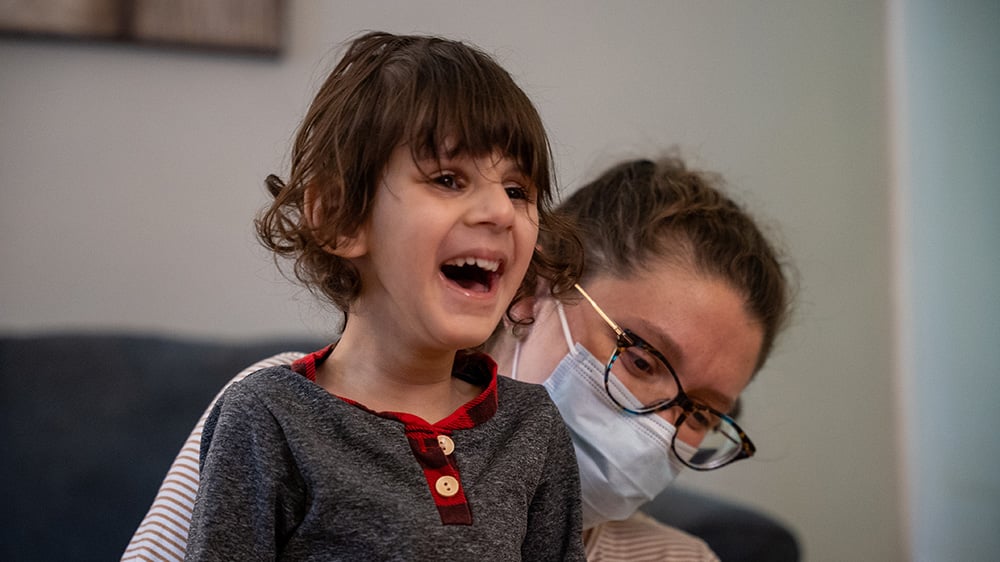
[682, 295]
[681, 300]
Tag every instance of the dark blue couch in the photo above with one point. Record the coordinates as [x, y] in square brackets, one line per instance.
[90, 423]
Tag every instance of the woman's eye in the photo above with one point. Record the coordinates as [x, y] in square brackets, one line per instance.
[702, 420]
[641, 364]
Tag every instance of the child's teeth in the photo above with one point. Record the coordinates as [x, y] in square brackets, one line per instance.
[488, 265]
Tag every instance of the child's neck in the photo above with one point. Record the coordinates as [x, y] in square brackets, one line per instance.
[394, 377]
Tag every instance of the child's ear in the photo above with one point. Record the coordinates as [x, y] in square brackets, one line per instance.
[350, 247]
[347, 247]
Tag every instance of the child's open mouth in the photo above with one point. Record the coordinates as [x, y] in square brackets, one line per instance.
[472, 274]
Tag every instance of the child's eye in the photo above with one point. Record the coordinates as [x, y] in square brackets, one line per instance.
[446, 180]
[517, 192]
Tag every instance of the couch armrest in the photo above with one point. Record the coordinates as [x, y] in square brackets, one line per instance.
[90, 424]
[734, 531]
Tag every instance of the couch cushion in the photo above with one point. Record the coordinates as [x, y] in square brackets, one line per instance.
[90, 424]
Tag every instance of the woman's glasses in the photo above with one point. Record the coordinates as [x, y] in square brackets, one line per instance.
[645, 383]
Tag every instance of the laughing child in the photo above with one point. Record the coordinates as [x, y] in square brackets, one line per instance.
[419, 181]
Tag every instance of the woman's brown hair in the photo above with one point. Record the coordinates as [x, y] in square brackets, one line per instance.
[428, 93]
[640, 212]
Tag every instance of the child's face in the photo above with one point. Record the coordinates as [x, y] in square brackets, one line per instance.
[445, 248]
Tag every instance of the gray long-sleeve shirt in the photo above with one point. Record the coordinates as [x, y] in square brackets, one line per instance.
[290, 471]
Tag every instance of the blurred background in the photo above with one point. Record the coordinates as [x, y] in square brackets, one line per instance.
[865, 133]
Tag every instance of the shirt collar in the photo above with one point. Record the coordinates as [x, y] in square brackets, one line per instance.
[473, 367]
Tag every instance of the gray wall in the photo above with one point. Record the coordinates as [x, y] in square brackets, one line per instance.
[129, 177]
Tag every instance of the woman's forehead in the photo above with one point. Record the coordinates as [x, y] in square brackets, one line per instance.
[700, 323]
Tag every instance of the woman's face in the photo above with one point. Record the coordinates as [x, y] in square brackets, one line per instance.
[699, 323]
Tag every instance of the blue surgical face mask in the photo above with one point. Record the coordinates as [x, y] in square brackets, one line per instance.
[625, 459]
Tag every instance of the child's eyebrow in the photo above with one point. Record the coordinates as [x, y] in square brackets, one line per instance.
[443, 159]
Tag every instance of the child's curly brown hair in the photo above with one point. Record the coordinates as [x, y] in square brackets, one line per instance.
[392, 90]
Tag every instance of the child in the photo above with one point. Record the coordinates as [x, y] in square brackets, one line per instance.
[419, 181]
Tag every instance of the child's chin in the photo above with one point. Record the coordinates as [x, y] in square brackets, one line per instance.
[473, 337]
[473, 342]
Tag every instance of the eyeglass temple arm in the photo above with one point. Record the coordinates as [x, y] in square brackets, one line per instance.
[621, 333]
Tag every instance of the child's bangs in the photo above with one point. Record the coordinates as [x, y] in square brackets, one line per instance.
[475, 120]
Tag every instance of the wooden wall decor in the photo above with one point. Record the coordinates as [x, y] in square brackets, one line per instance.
[230, 25]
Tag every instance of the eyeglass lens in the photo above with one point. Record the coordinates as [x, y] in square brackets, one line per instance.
[640, 382]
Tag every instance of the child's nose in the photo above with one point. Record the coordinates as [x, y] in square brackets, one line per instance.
[493, 206]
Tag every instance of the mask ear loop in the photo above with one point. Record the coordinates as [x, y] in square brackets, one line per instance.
[565, 327]
[566, 334]
[517, 358]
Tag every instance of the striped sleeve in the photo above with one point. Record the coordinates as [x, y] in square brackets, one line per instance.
[641, 538]
[163, 533]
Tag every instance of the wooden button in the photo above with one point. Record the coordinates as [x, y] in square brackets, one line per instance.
[446, 486]
[446, 444]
